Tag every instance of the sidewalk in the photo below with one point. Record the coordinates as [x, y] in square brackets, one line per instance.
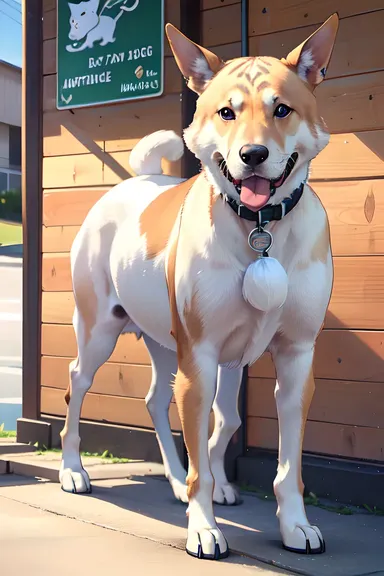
[41, 544]
[143, 506]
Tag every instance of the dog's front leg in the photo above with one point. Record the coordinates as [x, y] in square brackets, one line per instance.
[227, 421]
[195, 386]
[294, 391]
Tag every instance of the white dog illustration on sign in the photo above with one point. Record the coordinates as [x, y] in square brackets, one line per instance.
[86, 23]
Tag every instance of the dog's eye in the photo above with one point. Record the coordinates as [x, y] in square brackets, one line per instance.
[227, 114]
[82, 14]
[282, 111]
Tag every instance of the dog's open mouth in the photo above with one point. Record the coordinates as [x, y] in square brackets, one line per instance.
[255, 191]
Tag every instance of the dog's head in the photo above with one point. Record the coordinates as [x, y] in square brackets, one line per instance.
[256, 125]
[83, 18]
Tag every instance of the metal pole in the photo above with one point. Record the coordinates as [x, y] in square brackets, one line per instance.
[238, 444]
[190, 26]
[32, 18]
[244, 28]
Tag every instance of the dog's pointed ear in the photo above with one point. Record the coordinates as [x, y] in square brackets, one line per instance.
[310, 60]
[197, 64]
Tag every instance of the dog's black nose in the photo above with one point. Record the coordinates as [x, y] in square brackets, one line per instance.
[253, 155]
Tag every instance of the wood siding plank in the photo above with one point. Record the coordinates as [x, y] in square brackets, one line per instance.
[340, 355]
[357, 48]
[107, 409]
[284, 15]
[358, 294]
[69, 207]
[356, 215]
[353, 104]
[59, 340]
[322, 438]
[348, 156]
[208, 4]
[111, 130]
[336, 401]
[111, 379]
[57, 307]
[221, 25]
[59, 238]
[56, 273]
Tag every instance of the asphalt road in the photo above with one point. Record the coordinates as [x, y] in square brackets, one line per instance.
[10, 340]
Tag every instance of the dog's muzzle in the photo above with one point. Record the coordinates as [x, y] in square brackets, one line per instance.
[274, 183]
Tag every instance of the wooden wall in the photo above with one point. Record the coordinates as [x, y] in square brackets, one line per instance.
[86, 152]
[347, 415]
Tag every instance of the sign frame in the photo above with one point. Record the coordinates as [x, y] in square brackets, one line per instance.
[124, 99]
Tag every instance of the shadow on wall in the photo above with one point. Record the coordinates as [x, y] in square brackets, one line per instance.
[110, 130]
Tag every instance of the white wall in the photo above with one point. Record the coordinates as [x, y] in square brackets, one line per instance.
[10, 95]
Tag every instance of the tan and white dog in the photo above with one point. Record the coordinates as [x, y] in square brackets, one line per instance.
[184, 264]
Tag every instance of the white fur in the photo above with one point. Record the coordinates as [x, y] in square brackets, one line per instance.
[236, 100]
[265, 284]
[268, 96]
[306, 62]
[146, 156]
[200, 68]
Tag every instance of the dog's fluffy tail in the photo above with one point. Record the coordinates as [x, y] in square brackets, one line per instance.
[145, 158]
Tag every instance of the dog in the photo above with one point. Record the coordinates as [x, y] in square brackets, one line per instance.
[216, 270]
[86, 23]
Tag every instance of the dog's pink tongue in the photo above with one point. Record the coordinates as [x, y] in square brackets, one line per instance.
[255, 192]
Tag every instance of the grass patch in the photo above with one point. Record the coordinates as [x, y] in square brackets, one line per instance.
[10, 233]
[310, 500]
[6, 433]
[374, 510]
[106, 456]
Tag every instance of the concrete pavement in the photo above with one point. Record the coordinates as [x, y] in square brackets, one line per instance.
[39, 543]
[136, 503]
[10, 340]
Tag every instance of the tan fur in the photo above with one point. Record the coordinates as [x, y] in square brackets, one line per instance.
[306, 400]
[187, 388]
[158, 219]
[320, 250]
[86, 302]
[67, 395]
[255, 119]
[193, 320]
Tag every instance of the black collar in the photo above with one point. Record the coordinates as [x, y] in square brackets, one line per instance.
[270, 212]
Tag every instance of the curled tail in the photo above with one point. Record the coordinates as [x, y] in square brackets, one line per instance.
[145, 158]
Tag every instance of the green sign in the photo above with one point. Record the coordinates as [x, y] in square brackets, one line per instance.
[109, 51]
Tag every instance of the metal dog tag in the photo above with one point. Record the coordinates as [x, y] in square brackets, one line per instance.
[260, 240]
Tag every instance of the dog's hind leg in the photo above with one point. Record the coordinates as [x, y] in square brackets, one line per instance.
[227, 421]
[97, 323]
[164, 367]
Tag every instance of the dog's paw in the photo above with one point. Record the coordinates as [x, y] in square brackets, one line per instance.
[207, 544]
[226, 494]
[75, 481]
[304, 539]
[179, 490]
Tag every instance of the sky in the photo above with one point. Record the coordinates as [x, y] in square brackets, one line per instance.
[10, 31]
